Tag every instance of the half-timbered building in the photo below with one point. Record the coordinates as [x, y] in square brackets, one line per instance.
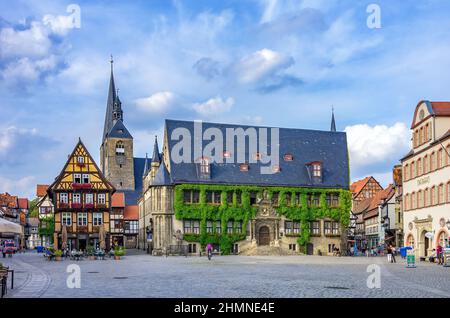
[82, 201]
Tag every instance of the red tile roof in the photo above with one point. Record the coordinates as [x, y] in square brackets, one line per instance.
[357, 186]
[23, 203]
[8, 200]
[118, 200]
[441, 108]
[41, 190]
[386, 194]
[131, 212]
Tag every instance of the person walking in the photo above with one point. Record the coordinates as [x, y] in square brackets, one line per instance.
[439, 254]
[209, 249]
[392, 254]
[389, 254]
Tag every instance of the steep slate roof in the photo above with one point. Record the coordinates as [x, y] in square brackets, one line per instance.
[162, 176]
[41, 190]
[156, 156]
[109, 105]
[131, 212]
[119, 131]
[306, 146]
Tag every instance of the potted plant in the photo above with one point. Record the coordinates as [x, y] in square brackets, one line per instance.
[90, 252]
[58, 254]
[118, 252]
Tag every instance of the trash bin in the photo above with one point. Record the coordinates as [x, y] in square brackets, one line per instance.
[40, 249]
[404, 250]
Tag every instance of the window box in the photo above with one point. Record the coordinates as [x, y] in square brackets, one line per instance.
[63, 205]
[89, 205]
[81, 186]
[101, 206]
[76, 206]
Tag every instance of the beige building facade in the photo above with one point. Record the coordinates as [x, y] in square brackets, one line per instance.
[426, 179]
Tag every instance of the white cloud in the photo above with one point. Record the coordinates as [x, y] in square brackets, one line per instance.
[23, 187]
[261, 64]
[214, 106]
[10, 135]
[26, 69]
[60, 24]
[156, 103]
[31, 42]
[369, 145]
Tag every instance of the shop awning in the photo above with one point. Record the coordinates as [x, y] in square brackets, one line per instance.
[9, 227]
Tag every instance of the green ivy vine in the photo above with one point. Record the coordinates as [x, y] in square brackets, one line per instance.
[244, 211]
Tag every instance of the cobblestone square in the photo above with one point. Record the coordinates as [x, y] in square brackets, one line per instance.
[141, 275]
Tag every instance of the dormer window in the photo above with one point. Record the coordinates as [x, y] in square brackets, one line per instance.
[204, 166]
[243, 167]
[317, 169]
[276, 168]
[288, 157]
[204, 169]
[120, 148]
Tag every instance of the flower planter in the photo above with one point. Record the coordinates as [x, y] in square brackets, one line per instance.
[58, 258]
[92, 258]
[117, 258]
[76, 206]
[89, 206]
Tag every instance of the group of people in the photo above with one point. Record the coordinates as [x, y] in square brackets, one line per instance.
[390, 250]
[438, 254]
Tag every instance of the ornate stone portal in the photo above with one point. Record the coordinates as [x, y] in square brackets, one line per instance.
[264, 229]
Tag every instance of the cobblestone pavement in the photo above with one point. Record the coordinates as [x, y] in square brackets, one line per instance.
[141, 275]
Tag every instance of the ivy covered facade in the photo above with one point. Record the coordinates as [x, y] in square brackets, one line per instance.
[302, 206]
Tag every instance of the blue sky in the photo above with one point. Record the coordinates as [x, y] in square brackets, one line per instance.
[268, 62]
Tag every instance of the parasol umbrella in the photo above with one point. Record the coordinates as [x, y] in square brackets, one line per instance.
[9, 227]
[101, 237]
[64, 237]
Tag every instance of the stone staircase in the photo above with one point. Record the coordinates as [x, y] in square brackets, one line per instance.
[266, 251]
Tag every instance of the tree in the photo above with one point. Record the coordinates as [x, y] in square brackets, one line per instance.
[33, 209]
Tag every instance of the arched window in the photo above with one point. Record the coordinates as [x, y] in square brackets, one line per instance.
[447, 161]
[413, 170]
[426, 132]
[448, 192]
[406, 202]
[441, 194]
[420, 199]
[429, 132]
[421, 135]
[419, 167]
[120, 148]
[433, 161]
[433, 196]
[413, 201]
[425, 164]
[406, 172]
[440, 158]
[426, 197]
[204, 165]
[416, 138]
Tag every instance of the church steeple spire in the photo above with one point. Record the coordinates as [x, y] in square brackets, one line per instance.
[156, 157]
[113, 105]
[333, 122]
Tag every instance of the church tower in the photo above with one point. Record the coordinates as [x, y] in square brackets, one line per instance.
[116, 151]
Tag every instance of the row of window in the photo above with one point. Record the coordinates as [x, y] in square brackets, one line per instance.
[82, 218]
[214, 197]
[422, 135]
[428, 197]
[81, 178]
[193, 227]
[329, 227]
[88, 198]
[428, 163]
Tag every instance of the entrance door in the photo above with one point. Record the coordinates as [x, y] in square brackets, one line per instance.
[264, 235]
[82, 244]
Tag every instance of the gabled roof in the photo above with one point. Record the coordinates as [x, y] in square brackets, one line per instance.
[357, 186]
[383, 195]
[156, 156]
[9, 201]
[41, 190]
[434, 108]
[61, 174]
[131, 212]
[304, 145]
